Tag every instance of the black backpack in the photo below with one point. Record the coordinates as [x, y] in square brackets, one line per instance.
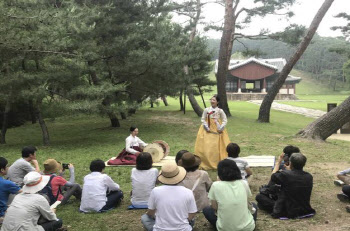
[47, 191]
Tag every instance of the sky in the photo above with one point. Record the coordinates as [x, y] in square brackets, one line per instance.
[304, 11]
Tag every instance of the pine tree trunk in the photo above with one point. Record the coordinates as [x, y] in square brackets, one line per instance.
[152, 104]
[201, 93]
[32, 112]
[329, 123]
[123, 115]
[197, 109]
[265, 108]
[5, 121]
[181, 101]
[44, 130]
[114, 120]
[165, 101]
[185, 102]
[224, 57]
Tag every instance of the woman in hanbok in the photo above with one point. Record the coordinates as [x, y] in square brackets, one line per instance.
[212, 137]
[133, 147]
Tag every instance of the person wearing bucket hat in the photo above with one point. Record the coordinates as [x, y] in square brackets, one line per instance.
[28, 206]
[198, 181]
[58, 184]
[170, 206]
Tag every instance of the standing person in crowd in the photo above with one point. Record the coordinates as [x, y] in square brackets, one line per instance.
[133, 146]
[96, 185]
[198, 181]
[6, 188]
[293, 200]
[29, 206]
[212, 138]
[143, 179]
[229, 198]
[59, 185]
[179, 156]
[233, 151]
[22, 166]
[170, 206]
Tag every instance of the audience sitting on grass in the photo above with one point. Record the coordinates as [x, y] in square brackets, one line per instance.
[344, 181]
[179, 155]
[198, 181]
[170, 206]
[233, 151]
[230, 209]
[288, 151]
[22, 166]
[6, 188]
[143, 180]
[59, 185]
[293, 199]
[28, 206]
[100, 192]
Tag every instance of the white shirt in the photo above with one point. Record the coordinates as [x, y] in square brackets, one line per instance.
[172, 204]
[132, 141]
[242, 165]
[95, 188]
[217, 114]
[143, 181]
[25, 211]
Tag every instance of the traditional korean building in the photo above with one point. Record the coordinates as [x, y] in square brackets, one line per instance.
[251, 78]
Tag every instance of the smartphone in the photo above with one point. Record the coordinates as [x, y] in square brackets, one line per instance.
[65, 166]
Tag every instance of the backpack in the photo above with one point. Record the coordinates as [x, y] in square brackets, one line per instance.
[47, 191]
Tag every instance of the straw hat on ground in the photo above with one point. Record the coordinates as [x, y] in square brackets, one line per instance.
[51, 166]
[189, 160]
[171, 174]
[34, 182]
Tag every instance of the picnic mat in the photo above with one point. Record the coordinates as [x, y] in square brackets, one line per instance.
[253, 161]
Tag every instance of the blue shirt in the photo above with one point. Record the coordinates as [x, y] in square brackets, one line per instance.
[6, 188]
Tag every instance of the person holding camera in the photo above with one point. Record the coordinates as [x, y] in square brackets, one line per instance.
[58, 188]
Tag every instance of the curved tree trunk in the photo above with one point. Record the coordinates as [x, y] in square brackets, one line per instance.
[224, 58]
[5, 122]
[327, 124]
[165, 101]
[44, 130]
[123, 115]
[181, 101]
[265, 108]
[197, 109]
[32, 111]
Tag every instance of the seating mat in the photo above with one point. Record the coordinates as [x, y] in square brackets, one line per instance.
[253, 161]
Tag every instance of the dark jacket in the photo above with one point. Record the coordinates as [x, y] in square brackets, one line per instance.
[294, 198]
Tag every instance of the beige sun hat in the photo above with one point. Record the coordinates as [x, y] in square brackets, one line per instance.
[171, 174]
[34, 182]
[51, 166]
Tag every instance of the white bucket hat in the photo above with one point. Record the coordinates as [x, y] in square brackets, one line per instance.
[34, 182]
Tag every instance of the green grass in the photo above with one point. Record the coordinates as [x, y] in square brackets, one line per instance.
[82, 138]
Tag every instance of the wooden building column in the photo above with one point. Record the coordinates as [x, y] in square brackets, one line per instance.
[264, 86]
[239, 86]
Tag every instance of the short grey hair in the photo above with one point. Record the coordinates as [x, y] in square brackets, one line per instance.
[298, 160]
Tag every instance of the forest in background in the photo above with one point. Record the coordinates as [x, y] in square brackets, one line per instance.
[323, 58]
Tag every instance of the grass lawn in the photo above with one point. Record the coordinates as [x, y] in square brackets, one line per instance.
[81, 138]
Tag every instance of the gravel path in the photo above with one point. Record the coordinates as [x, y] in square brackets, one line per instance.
[293, 109]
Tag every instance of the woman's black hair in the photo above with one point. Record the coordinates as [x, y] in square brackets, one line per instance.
[132, 128]
[228, 170]
[192, 169]
[179, 155]
[217, 99]
[144, 161]
[233, 150]
[3, 163]
[97, 165]
[290, 149]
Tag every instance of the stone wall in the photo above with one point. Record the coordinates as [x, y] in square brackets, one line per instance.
[257, 96]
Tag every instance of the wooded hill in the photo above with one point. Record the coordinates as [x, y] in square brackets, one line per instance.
[320, 58]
